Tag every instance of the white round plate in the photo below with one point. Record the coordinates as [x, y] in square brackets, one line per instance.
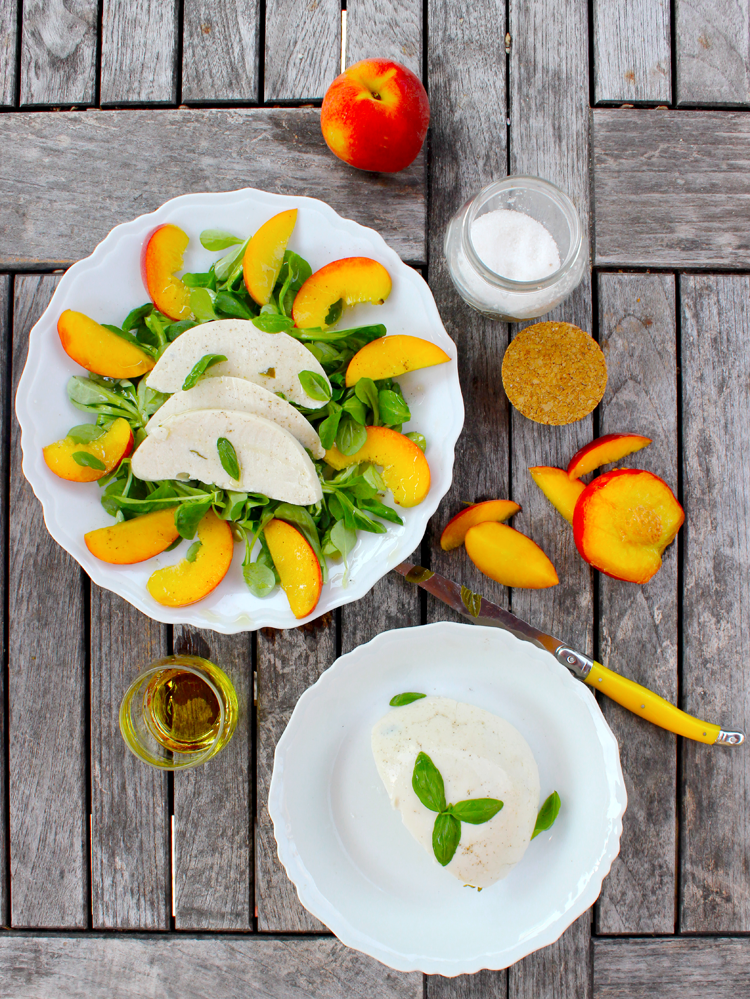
[356, 866]
[108, 284]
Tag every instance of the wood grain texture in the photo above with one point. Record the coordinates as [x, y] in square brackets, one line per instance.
[213, 805]
[391, 603]
[179, 966]
[135, 160]
[58, 51]
[49, 823]
[220, 50]
[714, 968]
[715, 826]
[130, 850]
[288, 662]
[8, 46]
[638, 624]
[561, 971]
[671, 188]
[482, 985]
[303, 48]
[711, 43]
[632, 57]
[139, 52]
[386, 29]
[5, 349]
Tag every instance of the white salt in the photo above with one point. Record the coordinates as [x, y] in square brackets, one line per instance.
[515, 245]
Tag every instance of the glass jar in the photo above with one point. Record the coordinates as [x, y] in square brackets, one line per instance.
[501, 297]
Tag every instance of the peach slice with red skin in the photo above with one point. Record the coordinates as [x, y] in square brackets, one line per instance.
[603, 450]
[405, 468]
[509, 557]
[623, 522]
[480, 513]
[114, 445]
[297, 566]
[134, 540]
[160, 261]
[391, 356]
[264, 255]
[559, 488]
[351, 280]
[100, 350]
[187, 582]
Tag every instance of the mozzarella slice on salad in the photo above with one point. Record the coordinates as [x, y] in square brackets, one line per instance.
[240, 396]
[273, 360]
[271, 461]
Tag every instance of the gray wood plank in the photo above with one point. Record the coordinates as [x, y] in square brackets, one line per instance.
[122, 966]
[5, 349]
[213, 874]
[47, 732]
[135, 160]
[386, 29]
[482, 985]
[8, 45]
[671, 189]
[632, 56]
[391, 603]
[638, 624]
[58, 52]
[220, 50]
[288, 662]
[303, 48]
[130, 849]
[139, 53]
[714, 968]
[561, 971]
[711, 44]
[715, 826]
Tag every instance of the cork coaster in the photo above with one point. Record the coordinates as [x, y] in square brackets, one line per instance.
[554, 373]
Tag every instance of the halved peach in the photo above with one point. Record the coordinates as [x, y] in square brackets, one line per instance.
[134, 540]
[297, 566]
[391, 356]
[405, 468]
[100, 350]
[559, 488]
[108, 451]
[455, 530]
[623, 522]
[603, 450]
[187, 582]
[509, 557]
[351, 280]
[265, 255]
[161, 259]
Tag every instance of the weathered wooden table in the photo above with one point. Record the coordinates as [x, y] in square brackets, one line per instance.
[170, 886]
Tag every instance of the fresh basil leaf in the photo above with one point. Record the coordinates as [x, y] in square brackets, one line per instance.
[232, 305]
[192, 553]
[177, 329]
[471, 601]
[270, 323]
[200, 368]
[228, 458]
[202, 305]
[367, 393]
[334, 313]
[85, 433]
[428, 784]
[315, 385]
[476, 810]
[189, 515]
[351, 436]
[419, 439]
[401, 699]
[259, 578]
[327, 428]
[342, 538]
[393, 408]
[446, 835]
[135, 316]
[356, 409]
[87, 460]
[547, 814]
[218, 239]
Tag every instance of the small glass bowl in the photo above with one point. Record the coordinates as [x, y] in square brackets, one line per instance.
[501, 297]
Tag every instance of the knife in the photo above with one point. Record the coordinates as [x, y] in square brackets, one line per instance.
[640, 700]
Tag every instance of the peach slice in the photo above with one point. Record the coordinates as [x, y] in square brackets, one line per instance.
[100, 350]
[455, 530]
[108, 451]
[161, 259]
[405, 468]
[623, 522]
[134, 540]
[297, 566]
[509, 557]
[265, 255]
[559, 488]
[187, 582]
[351, 280]
[391, 356]
[603, 450]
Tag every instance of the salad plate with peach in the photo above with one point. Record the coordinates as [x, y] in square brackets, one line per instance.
[240, 411]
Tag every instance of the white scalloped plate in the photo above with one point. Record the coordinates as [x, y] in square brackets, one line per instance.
[108, 284]
[358, 869]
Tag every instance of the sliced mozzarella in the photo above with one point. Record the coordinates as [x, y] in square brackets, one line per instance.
[271, 461]
[273, 360]
[239, 396]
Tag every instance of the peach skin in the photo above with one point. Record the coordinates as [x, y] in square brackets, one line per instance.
[391, 356]
[95, 459]
[297, 566]
[509, 557]
[559, 488]
[187, 582]
[161, 259]
[134, 540]
[405, 468]
[351, 281]
[455, 530]
[603, 450]
[100, 350]
[264, 255]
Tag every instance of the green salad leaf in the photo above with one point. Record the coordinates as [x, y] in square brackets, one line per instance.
[228, 458]
[547, 814]
[200, 368]
[400, 700]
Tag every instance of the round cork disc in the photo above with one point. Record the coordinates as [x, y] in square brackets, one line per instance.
[554, 373]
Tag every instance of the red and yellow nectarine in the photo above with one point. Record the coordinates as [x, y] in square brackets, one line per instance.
[108, 450]
[351, 280]
[100, 350]
[187, 582]
[603, 450]
[480, 513]
[509, 557]
[405, 468]
[264, 255]
[296, 564]
[391, 356]
[134, 540]
[160, 261]
[559, 488]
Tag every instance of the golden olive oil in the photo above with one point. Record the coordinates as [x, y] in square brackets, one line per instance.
[182, 711]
